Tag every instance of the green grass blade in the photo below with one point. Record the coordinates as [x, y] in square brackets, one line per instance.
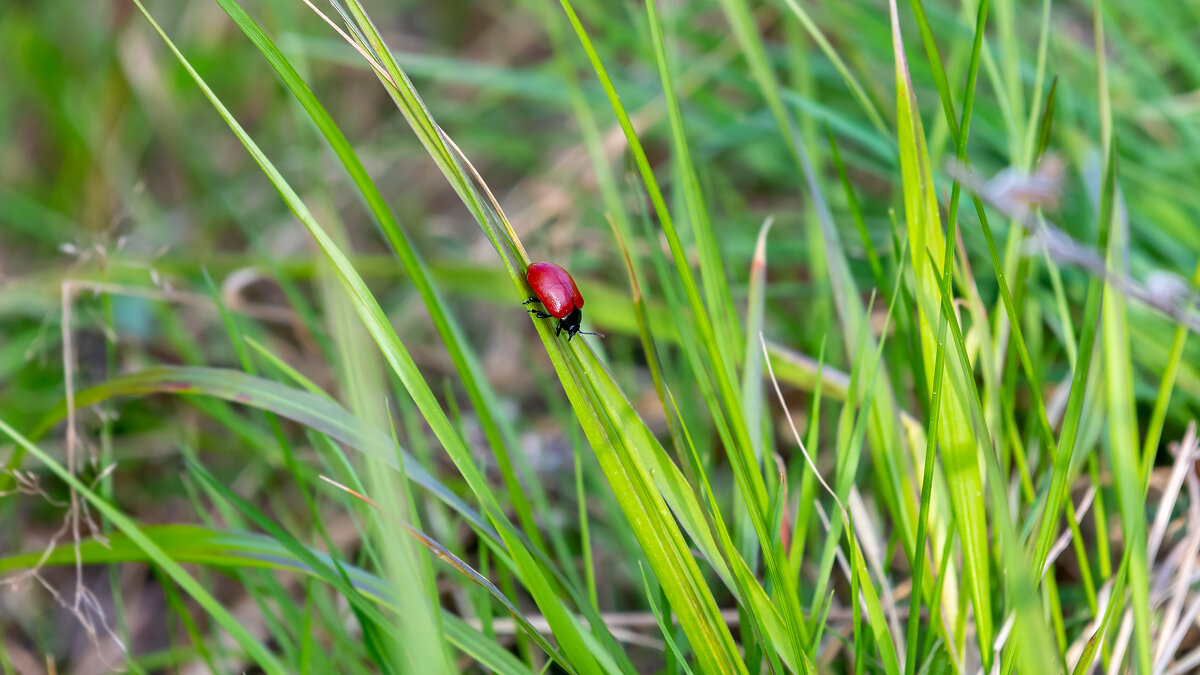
[1123, 433]
[958, 440]
[663, 626]
[856, 89]
[716, 286]
[316, 412]
[622, 451]
[752, 373]
[1158, 415]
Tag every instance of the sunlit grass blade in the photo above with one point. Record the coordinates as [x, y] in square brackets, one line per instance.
[720, 552]
[1039, 407]
[940, 405]
[622, 451]
[1025, 639]
[956, 438]
[1123, 430]
[1158, 415]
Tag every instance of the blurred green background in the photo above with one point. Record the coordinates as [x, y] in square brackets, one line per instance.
[116, 175]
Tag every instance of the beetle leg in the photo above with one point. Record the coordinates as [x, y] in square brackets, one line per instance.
[539, 314]
[533, 299]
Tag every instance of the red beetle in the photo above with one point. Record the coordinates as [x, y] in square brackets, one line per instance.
[556, 291]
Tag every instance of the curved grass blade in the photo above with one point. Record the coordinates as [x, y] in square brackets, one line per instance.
[318, 412]
[303, 555]
[313, 411]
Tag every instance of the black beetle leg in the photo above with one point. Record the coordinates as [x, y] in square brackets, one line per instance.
[533, 299]
[539, 314]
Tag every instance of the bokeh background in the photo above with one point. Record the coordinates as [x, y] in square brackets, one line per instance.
[122, 188]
